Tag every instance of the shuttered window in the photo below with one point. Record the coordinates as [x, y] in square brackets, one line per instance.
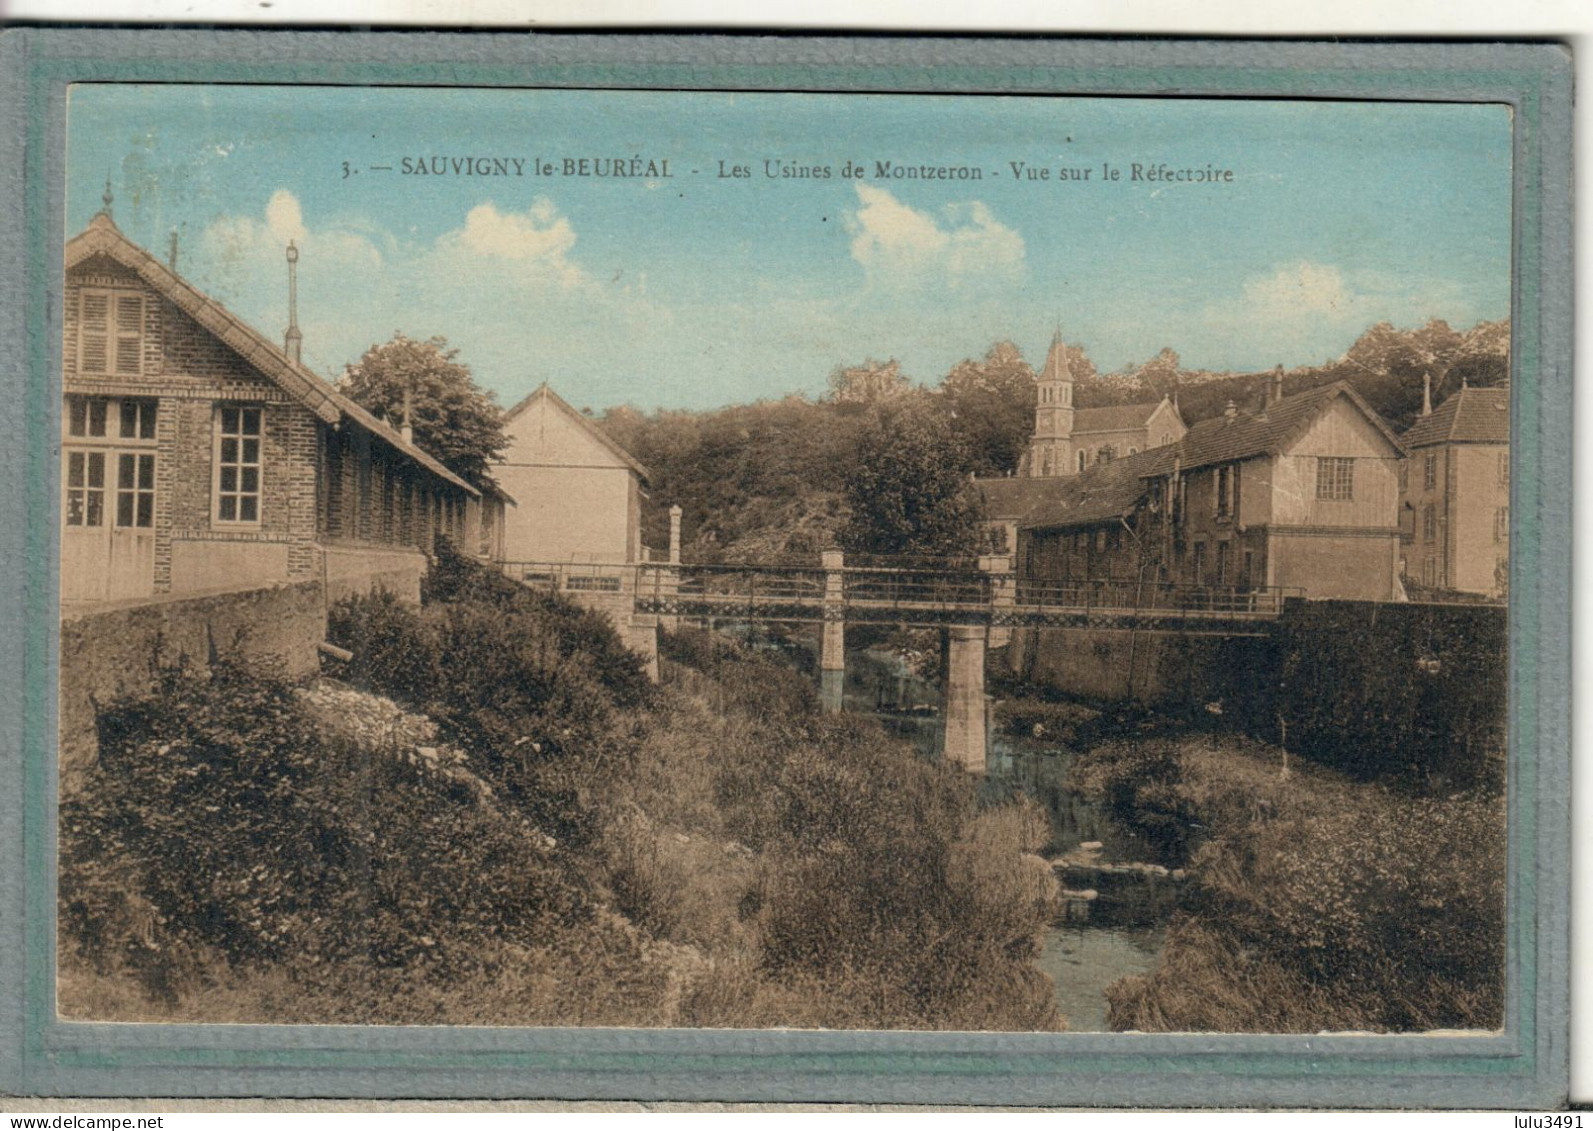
[111, 333]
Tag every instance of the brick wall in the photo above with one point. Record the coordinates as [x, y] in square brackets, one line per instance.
[317, 484]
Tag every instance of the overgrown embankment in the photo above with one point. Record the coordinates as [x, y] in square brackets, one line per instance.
[1316, 903]
[527, 832]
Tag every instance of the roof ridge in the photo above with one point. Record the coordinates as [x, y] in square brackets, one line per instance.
[294, 378]
[545, 391]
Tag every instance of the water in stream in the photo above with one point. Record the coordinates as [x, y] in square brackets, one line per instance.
[1126, 926]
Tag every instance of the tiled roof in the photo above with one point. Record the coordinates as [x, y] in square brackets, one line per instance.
[545, 392]
[1101, 493]
[102, 237]
[1471, 416]
[1222, 439]
[1113, 418]
[1112, 490]
[1012, 498]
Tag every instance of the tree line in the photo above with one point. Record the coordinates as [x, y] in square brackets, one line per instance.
[881, 463]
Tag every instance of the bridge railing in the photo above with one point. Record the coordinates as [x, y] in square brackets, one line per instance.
[876, 587]
[910, 587]
[575, 577]
[1127, 594]
[749, 582]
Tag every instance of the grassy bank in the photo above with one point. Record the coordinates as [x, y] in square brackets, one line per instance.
[495, 819]
[1317, 903]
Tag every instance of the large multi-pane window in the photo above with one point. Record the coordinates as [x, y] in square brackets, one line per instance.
[86, 416]
[1430, 471]
[105, 483]
[110, 335]
[238, 429]
[135, 489]
[136, 418]
[1504, 469]
[1501, 524]
[1429, 523]
[85, 489]
[1335, 478]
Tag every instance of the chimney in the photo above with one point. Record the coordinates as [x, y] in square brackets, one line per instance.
[171, 252]
[674, 534]
[1427, 394]
[1277, 383]
[292, 340]
[406, 430]
[1231, 411]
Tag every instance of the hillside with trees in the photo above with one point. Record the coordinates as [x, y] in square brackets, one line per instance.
[880, 461]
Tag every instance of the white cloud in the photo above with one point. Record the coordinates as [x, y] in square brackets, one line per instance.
[900, 246]
[1302, 289]
[539, 233]
[284, 217]
[243, 246]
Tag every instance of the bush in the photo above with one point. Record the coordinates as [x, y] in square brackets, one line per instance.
[1318, 902]
[220, 823]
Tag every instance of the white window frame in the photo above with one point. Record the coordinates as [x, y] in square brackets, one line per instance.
[1335, 479]
[220, 437]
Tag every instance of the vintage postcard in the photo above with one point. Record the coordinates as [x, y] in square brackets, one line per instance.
[634, 559]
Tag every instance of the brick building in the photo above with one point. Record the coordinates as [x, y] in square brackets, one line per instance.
[1303, 494]
[1455, 493]
[197, 456]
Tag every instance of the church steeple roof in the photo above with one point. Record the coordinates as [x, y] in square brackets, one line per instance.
[1056, 362]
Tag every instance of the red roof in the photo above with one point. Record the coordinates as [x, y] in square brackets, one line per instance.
[1471, 416]
[1109, 491]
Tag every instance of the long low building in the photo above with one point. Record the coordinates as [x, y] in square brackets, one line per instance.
[198, 456]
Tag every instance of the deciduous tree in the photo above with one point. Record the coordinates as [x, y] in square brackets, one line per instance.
[453, 418]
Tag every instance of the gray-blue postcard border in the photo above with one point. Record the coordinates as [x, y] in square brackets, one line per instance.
[1525, 1066]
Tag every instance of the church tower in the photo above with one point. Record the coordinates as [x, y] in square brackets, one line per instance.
[1051, 448]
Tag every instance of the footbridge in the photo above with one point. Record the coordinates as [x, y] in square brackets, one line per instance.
[976, 601]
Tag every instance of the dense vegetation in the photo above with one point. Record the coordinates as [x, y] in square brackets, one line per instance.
[536, 835]
[1317, 903]
[792, 476]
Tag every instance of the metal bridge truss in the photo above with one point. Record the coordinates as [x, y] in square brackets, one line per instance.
[916, 597]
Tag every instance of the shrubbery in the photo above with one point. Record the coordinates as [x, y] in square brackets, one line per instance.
[220, 823]
[1318, 903]
[712, 852]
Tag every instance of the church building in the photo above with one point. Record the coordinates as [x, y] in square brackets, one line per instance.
[1068, 441]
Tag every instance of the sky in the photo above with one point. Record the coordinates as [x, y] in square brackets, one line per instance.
[700, 288]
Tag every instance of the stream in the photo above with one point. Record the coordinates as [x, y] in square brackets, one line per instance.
[1124, 928]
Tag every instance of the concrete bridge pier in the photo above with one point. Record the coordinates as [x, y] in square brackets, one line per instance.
[832, 651]
[964, 710]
